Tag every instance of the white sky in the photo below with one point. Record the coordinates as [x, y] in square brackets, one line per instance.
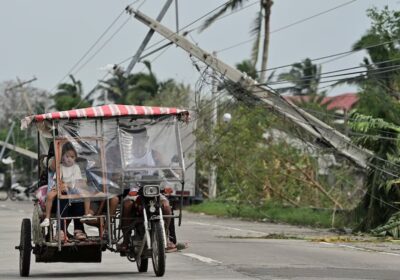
[45, 38]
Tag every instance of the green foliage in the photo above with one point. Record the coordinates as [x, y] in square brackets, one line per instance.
[144, 89]
[272, 212]
[69, 96]
[376, 123]
[252, 170]
[171, 94]
[238, 145]
[383, 61]
[383, 192]
[374, 101]
[304, 76]
[247, 67]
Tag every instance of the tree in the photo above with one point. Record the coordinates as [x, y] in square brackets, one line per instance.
[246, 66]
[383, 192]
[304, 76]
[376, 121]
[131, 89]
[171, 94]
[69, 96]
[261, 23]
[381, 44]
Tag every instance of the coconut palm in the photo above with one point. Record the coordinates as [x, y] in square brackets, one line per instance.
[381, 44]
[304, 76]
[69, 95]
[246, 66]
[261, 23]
[130, 89]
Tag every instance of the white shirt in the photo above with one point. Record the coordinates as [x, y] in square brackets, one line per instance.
[145, 160]
[69, 174]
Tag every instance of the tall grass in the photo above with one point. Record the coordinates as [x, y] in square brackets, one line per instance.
[271, 212]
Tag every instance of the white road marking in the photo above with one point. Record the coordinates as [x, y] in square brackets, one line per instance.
[360, 249]
[226, 227]
[201, 258]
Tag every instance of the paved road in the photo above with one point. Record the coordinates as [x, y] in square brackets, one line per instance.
[221, 249]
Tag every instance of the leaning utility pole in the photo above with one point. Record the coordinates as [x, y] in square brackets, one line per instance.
[325, 133]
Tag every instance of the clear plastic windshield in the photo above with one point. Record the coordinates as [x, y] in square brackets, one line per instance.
[111, 154]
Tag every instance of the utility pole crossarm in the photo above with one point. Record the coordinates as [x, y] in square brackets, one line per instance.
[290, 111]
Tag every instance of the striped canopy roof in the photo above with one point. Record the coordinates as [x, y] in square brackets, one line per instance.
[105, 111]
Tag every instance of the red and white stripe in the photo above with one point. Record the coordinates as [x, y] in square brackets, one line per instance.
[112, 110]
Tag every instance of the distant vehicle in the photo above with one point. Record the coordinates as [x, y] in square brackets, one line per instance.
[19, 192]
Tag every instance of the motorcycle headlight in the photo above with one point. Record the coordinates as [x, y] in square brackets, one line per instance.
[151, 190]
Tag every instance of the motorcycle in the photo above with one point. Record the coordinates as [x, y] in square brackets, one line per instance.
[19, 192]
[148, 239]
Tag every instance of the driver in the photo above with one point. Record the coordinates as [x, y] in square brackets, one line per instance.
[143, 156]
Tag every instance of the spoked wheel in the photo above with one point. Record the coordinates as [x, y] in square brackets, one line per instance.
[158, 248]
[25, 247]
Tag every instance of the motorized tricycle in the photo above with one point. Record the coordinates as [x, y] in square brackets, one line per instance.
[121, 153]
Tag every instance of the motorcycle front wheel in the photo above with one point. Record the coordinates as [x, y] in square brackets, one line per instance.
[158, 248]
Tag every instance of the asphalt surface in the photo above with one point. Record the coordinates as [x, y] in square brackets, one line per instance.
[221, 249]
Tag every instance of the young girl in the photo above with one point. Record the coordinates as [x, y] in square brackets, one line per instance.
[70, 173]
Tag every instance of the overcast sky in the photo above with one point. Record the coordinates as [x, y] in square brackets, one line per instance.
[45, 38]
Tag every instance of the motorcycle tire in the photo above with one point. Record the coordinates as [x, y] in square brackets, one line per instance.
[25, 248]
[158, 248]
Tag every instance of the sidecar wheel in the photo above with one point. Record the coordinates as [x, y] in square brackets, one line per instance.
[158, 248]
[25, 248]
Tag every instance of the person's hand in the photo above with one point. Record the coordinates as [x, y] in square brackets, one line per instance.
[63, 188]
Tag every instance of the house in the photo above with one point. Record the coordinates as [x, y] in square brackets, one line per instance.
[342, 104]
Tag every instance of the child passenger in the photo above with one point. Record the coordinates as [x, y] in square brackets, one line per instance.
[70, 174]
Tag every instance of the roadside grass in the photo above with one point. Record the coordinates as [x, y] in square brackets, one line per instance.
[271, 212]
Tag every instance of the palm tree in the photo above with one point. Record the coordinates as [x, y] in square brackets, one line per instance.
[131, 89]
[381, 44]
[69, 95]
[171, 94]
[305, 77]
[246, 66]
[261, 23]
[142, 87]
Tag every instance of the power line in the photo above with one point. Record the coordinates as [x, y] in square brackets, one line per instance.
[155, 44]
[334, 55]
[102, 46]
[90, 48]
[321, 76]
[289, 25]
